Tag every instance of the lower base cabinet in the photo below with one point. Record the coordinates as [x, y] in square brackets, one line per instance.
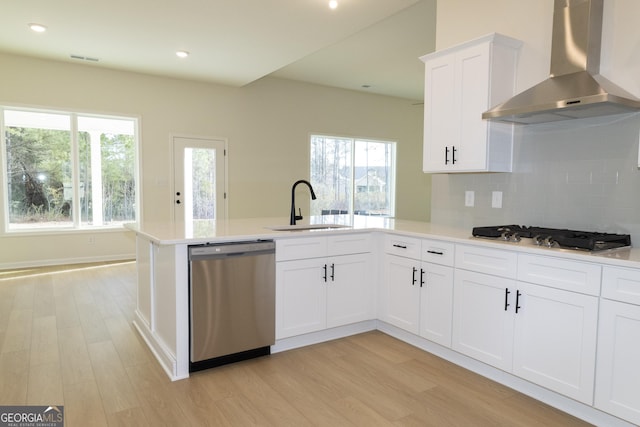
[555, 340]
[482, 321]
[618, 370]
[418, 297]
[541, 334]
[321, 291]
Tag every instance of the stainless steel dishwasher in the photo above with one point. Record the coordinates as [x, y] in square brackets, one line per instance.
[232, 302]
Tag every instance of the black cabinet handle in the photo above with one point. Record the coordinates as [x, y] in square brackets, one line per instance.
[325, 273]
[446, 155]
[453, 155]
[506, 298]
[333, 270]
[413, 277]
[435, 252]
[399, 246]
[422, 277]
[518, 301]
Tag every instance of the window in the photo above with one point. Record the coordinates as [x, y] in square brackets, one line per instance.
[352, 176]
[67, 170]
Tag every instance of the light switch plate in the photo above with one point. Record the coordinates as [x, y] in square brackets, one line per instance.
[469, 198]
[496, 199]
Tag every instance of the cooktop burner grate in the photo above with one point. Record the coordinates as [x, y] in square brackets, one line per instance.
[550, 237]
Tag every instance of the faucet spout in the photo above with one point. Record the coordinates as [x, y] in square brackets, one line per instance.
[293, 218]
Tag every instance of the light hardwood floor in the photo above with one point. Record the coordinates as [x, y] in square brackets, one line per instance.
[67, 339]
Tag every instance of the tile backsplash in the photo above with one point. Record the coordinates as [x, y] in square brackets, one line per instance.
[578, 174]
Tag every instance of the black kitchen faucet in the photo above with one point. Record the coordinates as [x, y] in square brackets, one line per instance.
[295, 217]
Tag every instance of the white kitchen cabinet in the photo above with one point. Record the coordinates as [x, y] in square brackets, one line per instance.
[401, 293]
[555, 340]
[460, 84]
[349, 289]
[436, 303]
[301, 302]
[542, 331]
[483, 321]
[320, 285]
[618, 371]
[417, 295]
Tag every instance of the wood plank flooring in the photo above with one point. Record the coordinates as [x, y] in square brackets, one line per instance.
[67, 338]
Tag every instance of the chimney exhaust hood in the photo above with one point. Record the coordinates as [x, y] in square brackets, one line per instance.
[575, 88]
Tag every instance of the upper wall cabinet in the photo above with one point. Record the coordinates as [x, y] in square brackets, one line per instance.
[461, 83]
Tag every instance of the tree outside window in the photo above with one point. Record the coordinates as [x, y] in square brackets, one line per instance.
[57, 178]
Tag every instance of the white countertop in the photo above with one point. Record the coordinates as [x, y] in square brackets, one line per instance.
[169, 233]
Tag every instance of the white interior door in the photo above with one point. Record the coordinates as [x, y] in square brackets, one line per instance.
[199, 190]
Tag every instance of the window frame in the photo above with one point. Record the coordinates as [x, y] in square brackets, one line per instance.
[354, 190]
[77, 226]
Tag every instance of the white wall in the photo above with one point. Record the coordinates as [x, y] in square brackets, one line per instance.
[574, 174]
[267, 125]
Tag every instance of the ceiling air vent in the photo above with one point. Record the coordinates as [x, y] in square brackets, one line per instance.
[84, 58]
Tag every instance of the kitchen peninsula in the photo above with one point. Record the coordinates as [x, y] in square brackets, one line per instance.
[428, 285]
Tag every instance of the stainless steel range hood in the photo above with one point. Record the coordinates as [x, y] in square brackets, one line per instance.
[575, 88]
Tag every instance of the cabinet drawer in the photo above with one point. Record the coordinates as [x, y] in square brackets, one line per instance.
[345, 244]
[621, 284]
[488, 261]
[301, 248]
[560, 273]
[408, 247]
[438, 252]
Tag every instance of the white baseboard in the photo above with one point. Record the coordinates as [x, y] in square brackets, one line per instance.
[322, 336]
[66, 261]
[166, 359]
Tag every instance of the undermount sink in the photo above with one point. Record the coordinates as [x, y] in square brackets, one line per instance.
[301, 227]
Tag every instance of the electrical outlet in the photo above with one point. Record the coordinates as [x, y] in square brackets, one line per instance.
[469, 198]
[496, 199]
[92, 240]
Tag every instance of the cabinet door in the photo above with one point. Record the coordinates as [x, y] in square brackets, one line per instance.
[349, 290]
[401, 293]
[300, 297]
[555, 340]
[472, 98]
[441, 132]
[482, 328]
[618, 370]
[436, 303]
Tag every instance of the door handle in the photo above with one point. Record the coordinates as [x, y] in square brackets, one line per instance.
[422, 277]
[446, 155]
[325, 273]
[413, 276]
[333, 270]
[518, 294]
[506, 298]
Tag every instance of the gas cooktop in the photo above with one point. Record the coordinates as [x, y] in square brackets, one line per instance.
[554, 237]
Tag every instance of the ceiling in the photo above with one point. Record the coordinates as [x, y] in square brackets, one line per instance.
[367, 45]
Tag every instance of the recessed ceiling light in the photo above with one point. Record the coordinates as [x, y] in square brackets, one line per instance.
[182, 54]
[333, 4]
[38, 28]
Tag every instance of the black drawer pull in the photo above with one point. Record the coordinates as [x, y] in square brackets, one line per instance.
[435, 252]
[395, 245]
